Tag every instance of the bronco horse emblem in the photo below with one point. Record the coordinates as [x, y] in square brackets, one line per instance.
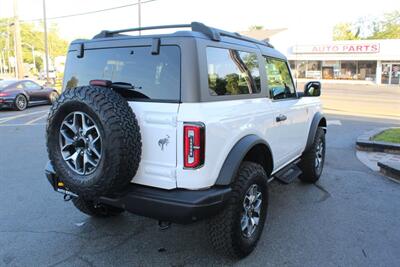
[163, 142]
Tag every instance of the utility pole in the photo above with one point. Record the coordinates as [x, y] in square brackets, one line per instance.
[8, 47]
[140, 15]
[18, 46]
[46, 48]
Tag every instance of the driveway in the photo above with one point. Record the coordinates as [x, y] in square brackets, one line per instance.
[349, 218]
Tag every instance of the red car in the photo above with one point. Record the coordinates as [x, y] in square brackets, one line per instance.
[19, 94]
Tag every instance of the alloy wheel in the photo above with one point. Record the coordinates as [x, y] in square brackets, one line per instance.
[21, 102]
[251, 210]
[53, 97]
[80, 143]
[319, 155]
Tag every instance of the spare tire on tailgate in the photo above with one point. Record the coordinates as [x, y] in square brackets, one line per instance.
[93, 141]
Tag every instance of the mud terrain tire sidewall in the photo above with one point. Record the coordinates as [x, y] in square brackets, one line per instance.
[121, 140]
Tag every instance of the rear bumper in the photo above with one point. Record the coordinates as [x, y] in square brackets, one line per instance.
[6, 103]
[177, 205]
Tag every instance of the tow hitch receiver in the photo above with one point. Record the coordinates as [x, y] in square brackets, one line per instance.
[58, 185]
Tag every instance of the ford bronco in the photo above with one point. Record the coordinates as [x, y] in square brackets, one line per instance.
[183, 127]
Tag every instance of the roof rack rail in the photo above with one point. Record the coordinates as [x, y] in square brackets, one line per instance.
[213, 33]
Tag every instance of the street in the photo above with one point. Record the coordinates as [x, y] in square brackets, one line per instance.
[349, 218]
[372, 101]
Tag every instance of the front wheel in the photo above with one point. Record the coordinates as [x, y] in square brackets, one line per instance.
[312, 161]
[237, 229]
[53, 97]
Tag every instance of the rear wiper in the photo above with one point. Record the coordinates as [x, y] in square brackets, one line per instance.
[123, 85]
[125, 89]
[115, 85]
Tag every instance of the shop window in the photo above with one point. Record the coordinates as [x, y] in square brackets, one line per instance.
[330, 69]
[367, 70]
[301, 68]
[348, 70]
[313, 69]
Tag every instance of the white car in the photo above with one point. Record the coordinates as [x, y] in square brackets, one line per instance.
[183, 127]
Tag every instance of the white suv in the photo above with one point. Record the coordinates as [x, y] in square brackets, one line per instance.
[182, 127]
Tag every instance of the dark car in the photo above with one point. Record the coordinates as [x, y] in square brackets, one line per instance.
[19, 94]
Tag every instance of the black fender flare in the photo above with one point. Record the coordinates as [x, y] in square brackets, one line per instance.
[316, 121]
[235, 157]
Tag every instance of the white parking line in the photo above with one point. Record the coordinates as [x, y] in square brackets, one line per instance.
[2, 120]
[334, 122]
[21, 124]
[36, 119]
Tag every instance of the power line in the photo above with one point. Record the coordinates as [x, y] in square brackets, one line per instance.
[90, 12]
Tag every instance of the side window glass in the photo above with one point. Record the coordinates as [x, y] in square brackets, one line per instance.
[280, 82]
[20, 86]
[232, 72]
[31, 86]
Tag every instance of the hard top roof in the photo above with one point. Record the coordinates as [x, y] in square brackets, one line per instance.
[198, 30]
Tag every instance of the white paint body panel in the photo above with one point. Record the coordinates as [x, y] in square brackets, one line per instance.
[229, 121]
[226, 123]
[157, 121]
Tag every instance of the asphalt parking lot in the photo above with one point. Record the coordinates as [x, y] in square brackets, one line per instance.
[349, 218]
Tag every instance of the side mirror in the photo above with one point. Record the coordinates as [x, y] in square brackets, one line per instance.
[312, 88]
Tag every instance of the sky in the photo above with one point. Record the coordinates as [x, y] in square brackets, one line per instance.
[307, 19]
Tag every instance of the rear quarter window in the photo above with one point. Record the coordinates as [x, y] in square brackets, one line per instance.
[232, 72]
[156, 77]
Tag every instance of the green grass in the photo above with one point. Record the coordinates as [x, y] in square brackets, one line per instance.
[391, 135]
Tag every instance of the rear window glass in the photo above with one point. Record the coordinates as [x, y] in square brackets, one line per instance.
[156, 77]
[232, 72]
[5, 83]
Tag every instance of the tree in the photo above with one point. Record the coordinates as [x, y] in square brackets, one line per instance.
[345, 31]
[388, 27]
[32, 35]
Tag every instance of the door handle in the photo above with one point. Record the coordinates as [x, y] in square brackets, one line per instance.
[281, 117]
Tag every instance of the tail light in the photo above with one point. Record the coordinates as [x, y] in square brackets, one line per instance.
[3, 94]
[193, 145]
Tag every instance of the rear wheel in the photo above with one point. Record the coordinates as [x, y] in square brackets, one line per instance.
[20, 103]
[237, 229]
[90, 208]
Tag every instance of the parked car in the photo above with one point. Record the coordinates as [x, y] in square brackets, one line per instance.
[19, 94]
[183, 127]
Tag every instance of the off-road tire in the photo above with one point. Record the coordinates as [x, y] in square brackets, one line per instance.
[120, 137]
[225, 229]
[311, 173]
[88, 207]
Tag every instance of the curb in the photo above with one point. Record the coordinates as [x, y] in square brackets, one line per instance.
[390, 169]
[365, 143]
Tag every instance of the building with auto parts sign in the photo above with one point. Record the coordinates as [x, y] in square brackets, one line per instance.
[375, 61]
[356, 61]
